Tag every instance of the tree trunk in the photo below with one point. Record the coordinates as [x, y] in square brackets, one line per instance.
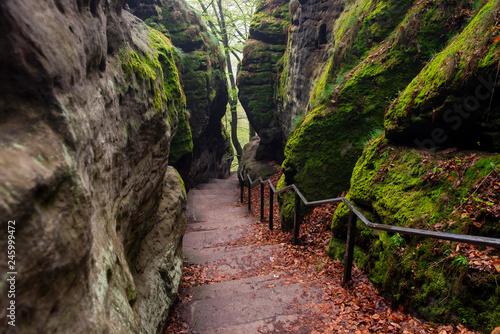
[233, 98]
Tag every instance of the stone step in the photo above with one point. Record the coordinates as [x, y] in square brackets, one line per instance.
[222, 224]
[216, 213]
[207, 202]
[218, 192]
[233, 261]
[217, 186]
[210, 238]
[247, 305]
[255, 298]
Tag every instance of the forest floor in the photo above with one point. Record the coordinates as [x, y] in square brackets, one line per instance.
[323, 306]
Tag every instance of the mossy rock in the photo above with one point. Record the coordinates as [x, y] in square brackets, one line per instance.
[348, 109]
[407, 187]
[452, 102]
[182, 143]
[270, 21]
[259, 73]
[155, 69]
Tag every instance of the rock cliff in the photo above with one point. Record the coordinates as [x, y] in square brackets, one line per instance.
[260, 71]
[369, 95]
[90, 99]
[201, 149]
[407, 178]
[377, 48]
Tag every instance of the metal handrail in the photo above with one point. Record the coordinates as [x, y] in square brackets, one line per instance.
[351, 227]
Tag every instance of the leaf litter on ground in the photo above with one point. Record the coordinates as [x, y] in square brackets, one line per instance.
[357, 309]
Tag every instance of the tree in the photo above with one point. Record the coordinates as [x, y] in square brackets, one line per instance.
[229, 21]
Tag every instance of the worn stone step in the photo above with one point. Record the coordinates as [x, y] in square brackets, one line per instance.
[208, 204]
[216, 213]
[221, 224]
[233, 261]
[219, 192]
[247, 308]
[231, 288]
[210, 198]
[217, 186]
[211, 238]
[232, 178]
[251, 300]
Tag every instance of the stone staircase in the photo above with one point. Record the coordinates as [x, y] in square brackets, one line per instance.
[251, 297]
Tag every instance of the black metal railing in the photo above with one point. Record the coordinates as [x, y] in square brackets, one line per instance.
[351, 227]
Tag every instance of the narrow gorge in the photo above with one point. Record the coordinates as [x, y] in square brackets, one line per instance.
[112, 110]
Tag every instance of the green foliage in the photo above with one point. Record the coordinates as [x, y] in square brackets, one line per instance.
[460, 262]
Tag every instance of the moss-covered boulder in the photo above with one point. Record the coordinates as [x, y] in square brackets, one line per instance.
[452, 102]
[452, 192]
[258, 74]
[350, 99]
[200, 147]
[249, 165]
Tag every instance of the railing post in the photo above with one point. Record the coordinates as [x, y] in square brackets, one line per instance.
[249, 196]
[271, 207]
[349, 248]
[296, 222]
[261, 202]
[242, 185]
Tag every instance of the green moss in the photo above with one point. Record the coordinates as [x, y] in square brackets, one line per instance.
[322, 152]
[287, 205]
[131, 293]
[269, 23]
[260, 68]
[392, 185]
[155, 71]
[452, 76]
[181, 181]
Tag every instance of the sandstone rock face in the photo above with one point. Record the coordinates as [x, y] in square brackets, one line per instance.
[159, 262]
[90, 99]
[310, 39]
[259, 74]
[376, 48]
[203, 154]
